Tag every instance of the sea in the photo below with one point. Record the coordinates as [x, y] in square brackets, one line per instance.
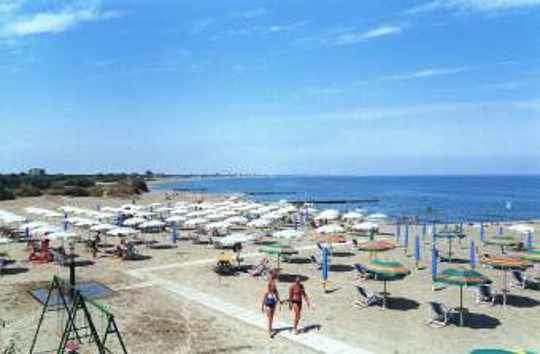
[443, 198]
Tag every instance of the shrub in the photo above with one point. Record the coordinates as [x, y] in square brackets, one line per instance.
[28, 190]
[6, 194]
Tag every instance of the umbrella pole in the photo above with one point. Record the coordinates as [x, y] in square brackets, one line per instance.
[449, 250]
[504, 288]
[384, 295]
[461, 305]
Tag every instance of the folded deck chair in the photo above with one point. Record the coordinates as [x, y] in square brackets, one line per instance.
[316, 261]
[260, 270]
[485, 295]
[520, 281]
[439, 314]
[363, 274]
[367, 298]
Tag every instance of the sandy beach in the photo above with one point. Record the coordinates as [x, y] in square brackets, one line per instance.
[173, 302]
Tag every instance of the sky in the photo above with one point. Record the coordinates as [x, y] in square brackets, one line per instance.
[276, 87]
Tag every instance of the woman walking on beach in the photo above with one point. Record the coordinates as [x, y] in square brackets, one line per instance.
[269, 303]
[296, 294]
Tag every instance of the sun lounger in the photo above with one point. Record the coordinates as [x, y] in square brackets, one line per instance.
[521, 281]
[363, 274]
[485, 295]
[260, 270]
[439, 314]
[367, 298]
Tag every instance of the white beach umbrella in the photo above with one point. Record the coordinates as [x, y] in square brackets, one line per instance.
[86, 223]
[237, 220]
[377, 216]
[232, 239]
[328, 214]
[122, 231]
[220, 225]
[134, 221]
[102, 227]
[32, 225]
[196, 222]
[330, 229]
[260, 223]
[288, 234]
[151, 224]
[62, 235]
[366, 226]
[352, 215]
[521, 228]
[176, 218]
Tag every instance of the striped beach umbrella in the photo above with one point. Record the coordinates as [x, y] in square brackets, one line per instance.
[376, 246]
[502, 242]
[505, 263]
[532, 255]
[461, 277]
[277, 250]
[448, 235]
[386, 270]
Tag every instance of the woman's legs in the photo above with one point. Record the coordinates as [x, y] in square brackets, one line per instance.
[296, 308]
[270, 317]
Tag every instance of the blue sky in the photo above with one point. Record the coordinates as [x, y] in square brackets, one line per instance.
[325, 87]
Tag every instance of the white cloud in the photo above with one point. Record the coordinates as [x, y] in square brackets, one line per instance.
[349, 38]
[424, 73]
[21, 25]
[251, 13]
[473, 5]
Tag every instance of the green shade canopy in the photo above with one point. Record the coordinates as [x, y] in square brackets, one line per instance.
[377, 246]
[277, 249]
[532, 256]
[500, 351]
[462, 277]
[501, 241]
[506, 262]
[387, 270]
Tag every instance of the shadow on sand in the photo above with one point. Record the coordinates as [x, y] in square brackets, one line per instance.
[342, 254]
[478, 321]
[401, 304]
[290, 278]
[138, 257]
[13, 270]
[341, 268]
[521, 301]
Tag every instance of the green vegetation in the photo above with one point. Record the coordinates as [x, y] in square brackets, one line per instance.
[116, 185]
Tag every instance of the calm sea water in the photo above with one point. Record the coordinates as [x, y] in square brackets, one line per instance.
[450, 197]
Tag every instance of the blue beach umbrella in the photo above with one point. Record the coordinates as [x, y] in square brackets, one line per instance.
[27, 232]
[482, 233]
[325, 262]
[174, 235]
[65, 225]
[398, 231]
[406, 238]
[529, 241]
[434, 256]
[98, 207]
[417, 248]
[500, 230]
[472, 254]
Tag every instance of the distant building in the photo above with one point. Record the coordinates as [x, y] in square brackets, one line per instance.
[36, 172]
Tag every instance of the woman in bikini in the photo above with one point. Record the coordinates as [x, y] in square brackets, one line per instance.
[296, 294]
[269, 303]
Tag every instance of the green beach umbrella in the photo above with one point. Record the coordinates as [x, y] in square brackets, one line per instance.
[505, 263]
[532, 256]
[386, 270]
[500, 351]
[376, 246]
[461, 277]
[502, 241]
[448, 235]
[277, 250]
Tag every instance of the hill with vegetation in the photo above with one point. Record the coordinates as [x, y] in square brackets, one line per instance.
[113, 185]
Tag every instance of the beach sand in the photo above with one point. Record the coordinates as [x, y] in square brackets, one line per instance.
[174, 303]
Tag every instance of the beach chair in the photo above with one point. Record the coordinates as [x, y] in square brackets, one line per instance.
[316, 261]
[485, 295]
[367, 298]
[261, 269]
[362, 272]
[439, 315]
[520, 280]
